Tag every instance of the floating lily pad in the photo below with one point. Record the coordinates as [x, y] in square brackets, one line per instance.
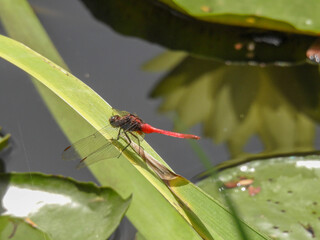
[180, 27]
[61, 207]
[287, 204]
[19, 229]
[293, 16]
[139, 236]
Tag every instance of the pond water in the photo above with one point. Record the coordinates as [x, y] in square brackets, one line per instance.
[111, 65]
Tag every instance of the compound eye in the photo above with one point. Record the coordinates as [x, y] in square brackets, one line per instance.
[113, 119]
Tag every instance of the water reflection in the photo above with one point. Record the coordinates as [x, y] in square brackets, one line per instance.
[280, 105]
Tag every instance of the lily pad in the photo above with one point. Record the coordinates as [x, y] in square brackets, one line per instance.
[282, 201]
[177, 29]
[61, 207]
[292, 16]
[18, 229]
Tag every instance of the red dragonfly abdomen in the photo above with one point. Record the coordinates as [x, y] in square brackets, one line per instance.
[146, 128]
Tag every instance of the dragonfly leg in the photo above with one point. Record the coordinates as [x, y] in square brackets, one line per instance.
[136, 138]
[127, 144]
[138, 141]
[118, 137]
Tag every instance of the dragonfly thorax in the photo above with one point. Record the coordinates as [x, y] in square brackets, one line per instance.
[128, 122]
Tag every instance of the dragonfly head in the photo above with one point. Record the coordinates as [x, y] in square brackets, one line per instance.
[114, 121]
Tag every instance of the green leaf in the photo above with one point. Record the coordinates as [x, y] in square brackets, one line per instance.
[87, 107]
[169, 212]
[17, 229]
[4, 140]
[139, 236]
[165, 61]
[290, 16]
[65, 96]
[15, 13]
[157, 23]
[61, 207]
[287, 207]
[200, 216]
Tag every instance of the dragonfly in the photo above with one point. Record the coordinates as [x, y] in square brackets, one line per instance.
[124, 125]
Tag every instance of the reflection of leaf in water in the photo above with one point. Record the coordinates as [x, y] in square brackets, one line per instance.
[301, 86]
[188, 86]
[279, 125]
[165, 61]
[184, 74]
[235, 103]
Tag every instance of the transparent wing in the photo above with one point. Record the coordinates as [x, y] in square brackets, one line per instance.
[96, 147]
[105, 152]
[85, 146]
[119, 112]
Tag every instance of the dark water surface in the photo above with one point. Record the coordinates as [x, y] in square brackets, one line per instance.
[110, 64]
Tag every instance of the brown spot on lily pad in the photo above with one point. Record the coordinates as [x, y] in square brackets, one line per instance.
[250, 20]
[231, 184]
[253, 190]
[245, 182]
[29, 221]
[205, 8]
[238, 46]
